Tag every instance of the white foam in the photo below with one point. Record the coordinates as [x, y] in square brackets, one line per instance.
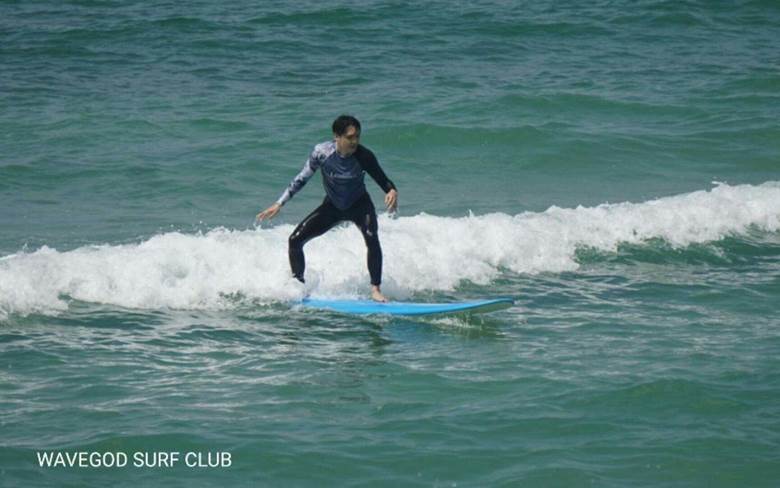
[423, 252]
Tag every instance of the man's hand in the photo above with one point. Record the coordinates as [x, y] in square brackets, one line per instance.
[391, 200]
[268, 213]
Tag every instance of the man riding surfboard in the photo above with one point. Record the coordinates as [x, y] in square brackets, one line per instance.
[343, 162]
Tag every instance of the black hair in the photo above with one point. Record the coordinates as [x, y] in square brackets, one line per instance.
[343, 122]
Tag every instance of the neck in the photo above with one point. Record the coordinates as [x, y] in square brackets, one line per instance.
[344, 154]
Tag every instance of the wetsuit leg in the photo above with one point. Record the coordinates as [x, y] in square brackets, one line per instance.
[363, 214]
[320, 221]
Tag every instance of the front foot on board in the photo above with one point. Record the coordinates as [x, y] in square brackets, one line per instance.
[377, 296]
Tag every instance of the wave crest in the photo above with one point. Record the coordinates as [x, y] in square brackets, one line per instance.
[422, 252]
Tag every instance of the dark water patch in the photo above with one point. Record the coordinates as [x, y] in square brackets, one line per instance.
[684, 399]
[429, 135]
[601, 105]
[184, 24]
[82, 314]
[528, 29]
[762, 85]
[754, 248]
[317, 18]
[213, 125]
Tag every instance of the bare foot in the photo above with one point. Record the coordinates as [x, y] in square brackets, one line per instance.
[376, 295]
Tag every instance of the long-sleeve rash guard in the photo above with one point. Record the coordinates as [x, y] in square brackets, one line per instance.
[343, 178]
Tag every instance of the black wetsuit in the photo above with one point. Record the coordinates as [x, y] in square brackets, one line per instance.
[347, 199]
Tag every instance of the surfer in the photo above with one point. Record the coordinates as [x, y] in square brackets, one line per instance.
[344, 162]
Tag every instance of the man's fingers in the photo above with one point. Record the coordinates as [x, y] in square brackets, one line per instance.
[263, 215]
[391, 200]
[268, 213]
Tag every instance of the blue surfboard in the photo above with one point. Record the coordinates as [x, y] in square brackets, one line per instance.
[364, 307]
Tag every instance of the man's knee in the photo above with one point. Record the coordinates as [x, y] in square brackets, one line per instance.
[295, 241]
[372, 243]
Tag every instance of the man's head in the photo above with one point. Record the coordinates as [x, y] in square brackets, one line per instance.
[346, 132]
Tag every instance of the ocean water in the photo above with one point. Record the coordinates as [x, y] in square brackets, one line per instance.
[612, 165]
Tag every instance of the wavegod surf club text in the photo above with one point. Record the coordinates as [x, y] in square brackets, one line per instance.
[139, 459]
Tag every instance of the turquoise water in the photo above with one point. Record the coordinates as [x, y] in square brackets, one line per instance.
[613, 166]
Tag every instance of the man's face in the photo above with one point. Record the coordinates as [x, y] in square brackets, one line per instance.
[348, 142]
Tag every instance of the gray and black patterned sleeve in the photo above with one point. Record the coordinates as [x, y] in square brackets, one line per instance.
[309, 168]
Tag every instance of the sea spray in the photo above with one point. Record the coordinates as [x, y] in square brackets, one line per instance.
[422, 252]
